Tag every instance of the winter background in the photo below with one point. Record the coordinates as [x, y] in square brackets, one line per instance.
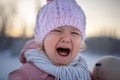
[17, 20]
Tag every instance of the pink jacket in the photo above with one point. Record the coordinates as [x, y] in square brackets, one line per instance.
[29, 72]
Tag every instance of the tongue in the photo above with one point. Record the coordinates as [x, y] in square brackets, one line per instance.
[63, 53]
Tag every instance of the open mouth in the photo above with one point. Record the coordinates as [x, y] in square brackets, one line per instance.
[63, 51]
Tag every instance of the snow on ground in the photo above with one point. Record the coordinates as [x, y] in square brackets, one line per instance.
[9, 63]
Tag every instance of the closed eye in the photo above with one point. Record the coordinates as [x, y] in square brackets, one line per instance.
[75, 33]
[56, 30]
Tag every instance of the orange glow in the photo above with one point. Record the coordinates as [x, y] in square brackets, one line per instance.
[29, 32]
[13, 32]
[23, 22]
[0, 23]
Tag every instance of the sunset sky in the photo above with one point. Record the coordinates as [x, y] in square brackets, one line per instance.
[102, 15]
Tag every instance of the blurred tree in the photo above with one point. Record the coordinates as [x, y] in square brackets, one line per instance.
[10, 20]
[7, 10]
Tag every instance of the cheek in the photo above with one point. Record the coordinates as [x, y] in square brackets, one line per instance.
[77, 46]
[50, 43]
[76, 50]
[50, 39]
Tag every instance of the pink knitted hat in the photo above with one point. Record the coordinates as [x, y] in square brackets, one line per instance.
[58, 13]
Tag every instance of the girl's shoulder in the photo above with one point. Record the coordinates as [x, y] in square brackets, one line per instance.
[29, 72]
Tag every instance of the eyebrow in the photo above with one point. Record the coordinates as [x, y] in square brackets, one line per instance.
[74, 29]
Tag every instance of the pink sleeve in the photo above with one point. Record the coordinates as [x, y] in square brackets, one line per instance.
[17, 75]
[31, 44]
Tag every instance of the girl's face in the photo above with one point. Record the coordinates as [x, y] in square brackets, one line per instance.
[62, 44]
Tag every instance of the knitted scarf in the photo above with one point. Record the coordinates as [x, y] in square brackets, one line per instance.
[76, 70]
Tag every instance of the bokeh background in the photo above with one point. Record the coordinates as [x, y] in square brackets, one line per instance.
[17, 21]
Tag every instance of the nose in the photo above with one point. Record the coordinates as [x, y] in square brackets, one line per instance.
[66, 39]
